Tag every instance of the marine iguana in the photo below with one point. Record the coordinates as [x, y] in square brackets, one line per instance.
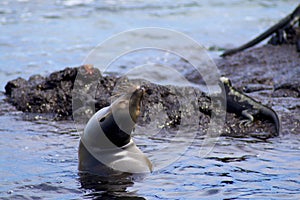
[246, 106]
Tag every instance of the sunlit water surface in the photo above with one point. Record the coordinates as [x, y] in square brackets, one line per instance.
[39, 37]
[38, 158]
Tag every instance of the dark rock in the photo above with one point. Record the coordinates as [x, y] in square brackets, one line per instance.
[269, 74]
[288, 89]
[54, 94]
[16, 83]
[44, 95]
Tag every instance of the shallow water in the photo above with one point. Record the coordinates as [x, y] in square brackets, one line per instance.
[38, 158]
[39, 37]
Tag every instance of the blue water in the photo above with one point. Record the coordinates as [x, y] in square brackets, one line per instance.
[38, 158]
[44, 36]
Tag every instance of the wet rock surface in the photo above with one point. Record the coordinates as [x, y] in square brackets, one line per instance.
[269, 74]
[59, 96]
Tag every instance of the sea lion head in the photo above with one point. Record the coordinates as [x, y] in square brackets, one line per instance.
[128, 105]
[119, 120]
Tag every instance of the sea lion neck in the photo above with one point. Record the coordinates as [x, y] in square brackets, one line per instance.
[121, 118]
[113, 132]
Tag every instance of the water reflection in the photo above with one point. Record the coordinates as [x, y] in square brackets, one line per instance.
[42, 164]
[112, 187]
[38, 161]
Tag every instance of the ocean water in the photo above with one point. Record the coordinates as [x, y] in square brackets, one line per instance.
[38, 158]
[39, 37]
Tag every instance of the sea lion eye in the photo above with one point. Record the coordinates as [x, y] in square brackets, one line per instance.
[102, 119]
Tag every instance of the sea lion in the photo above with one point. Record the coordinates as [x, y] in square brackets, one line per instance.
[106, 146]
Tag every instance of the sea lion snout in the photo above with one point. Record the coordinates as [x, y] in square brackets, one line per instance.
[135, 102]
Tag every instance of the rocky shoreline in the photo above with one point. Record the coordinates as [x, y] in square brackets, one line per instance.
[270, 74]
